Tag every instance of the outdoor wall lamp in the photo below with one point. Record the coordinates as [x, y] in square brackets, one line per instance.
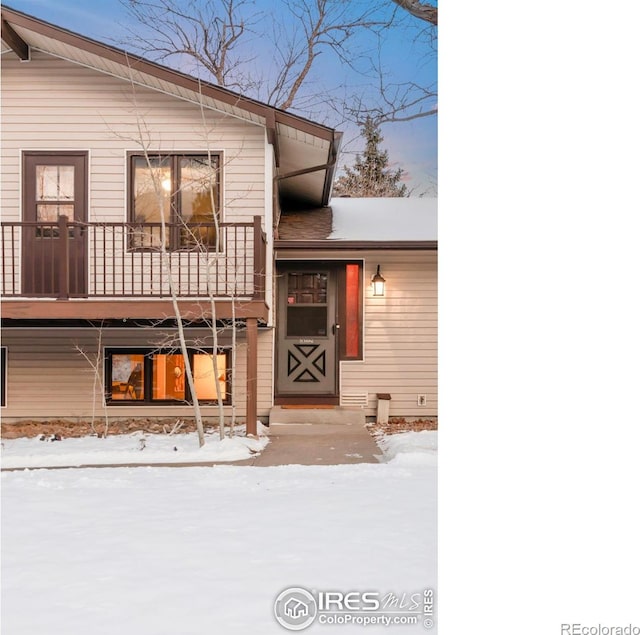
[378, 283]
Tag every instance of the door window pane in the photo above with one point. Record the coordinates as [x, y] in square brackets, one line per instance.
[127, 376]
[54, 182]
[307, 288]
[50, 213]
[307, 304]
[306, 321]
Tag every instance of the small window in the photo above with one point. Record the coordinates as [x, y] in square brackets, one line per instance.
[350, 311]
[181, 192]
[148, 377]
[3, 376]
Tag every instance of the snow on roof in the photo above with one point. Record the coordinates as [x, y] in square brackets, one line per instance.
[384, 219]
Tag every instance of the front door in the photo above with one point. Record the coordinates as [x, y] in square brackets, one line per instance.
[55, 185]
[306, 334]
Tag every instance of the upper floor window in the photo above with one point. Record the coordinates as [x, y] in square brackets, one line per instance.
[175, 196]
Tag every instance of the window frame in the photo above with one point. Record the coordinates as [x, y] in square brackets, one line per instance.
[148, 355]
[343, 301]
[175, 197]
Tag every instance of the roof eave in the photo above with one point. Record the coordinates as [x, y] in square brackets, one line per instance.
[119, 56]
[355, 245]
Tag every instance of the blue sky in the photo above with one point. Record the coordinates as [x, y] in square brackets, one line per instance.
[411, 145]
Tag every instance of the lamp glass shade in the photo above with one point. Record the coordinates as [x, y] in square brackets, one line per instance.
[378, 283]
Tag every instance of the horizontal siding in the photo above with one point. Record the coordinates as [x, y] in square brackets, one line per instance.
[51, 104]
[47, 376]
[400, 336]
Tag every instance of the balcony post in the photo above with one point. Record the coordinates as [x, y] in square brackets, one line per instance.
[258, 260]
[252, 377]
[63, 257]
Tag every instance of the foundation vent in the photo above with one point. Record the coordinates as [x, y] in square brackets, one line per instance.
[355, 399]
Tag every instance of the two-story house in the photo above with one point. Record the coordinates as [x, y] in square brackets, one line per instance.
[140, 203]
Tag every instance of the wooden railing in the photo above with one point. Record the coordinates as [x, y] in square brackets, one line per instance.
[124, 260]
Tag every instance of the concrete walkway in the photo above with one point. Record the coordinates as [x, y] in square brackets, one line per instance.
[318, 444]
[289, 444]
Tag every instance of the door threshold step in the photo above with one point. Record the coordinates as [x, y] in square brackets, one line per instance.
[307, 406]
[340, 415]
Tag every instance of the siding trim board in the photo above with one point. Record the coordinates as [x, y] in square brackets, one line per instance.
[132, 309]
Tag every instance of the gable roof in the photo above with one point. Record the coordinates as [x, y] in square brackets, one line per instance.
[362, 223]
[305, 148]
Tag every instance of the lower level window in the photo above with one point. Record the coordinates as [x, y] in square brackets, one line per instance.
[147, 377]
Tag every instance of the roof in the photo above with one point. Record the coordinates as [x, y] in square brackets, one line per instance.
[362, 222]
[299, 144]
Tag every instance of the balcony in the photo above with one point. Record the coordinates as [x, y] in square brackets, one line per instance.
[118, 269]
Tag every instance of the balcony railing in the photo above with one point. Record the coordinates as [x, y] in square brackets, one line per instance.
[124, 260]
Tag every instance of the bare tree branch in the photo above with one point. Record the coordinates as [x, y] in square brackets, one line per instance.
[207, 33]
[421, 10]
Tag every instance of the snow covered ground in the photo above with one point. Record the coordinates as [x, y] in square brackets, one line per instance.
[138, 447]
[195, 551]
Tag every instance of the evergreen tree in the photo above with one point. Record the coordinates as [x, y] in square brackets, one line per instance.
[370, 175]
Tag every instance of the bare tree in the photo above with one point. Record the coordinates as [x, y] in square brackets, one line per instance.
[221, 37]
[98, 392]
[201, 245]
[322, 26]
[211, 34]
[143, 138]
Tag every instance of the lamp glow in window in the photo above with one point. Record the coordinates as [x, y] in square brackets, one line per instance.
[204, 376]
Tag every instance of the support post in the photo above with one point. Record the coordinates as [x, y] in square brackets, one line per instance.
[258, 260]
[63, 257]
[252, 376]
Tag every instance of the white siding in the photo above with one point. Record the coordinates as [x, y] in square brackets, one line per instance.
[48, 377]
